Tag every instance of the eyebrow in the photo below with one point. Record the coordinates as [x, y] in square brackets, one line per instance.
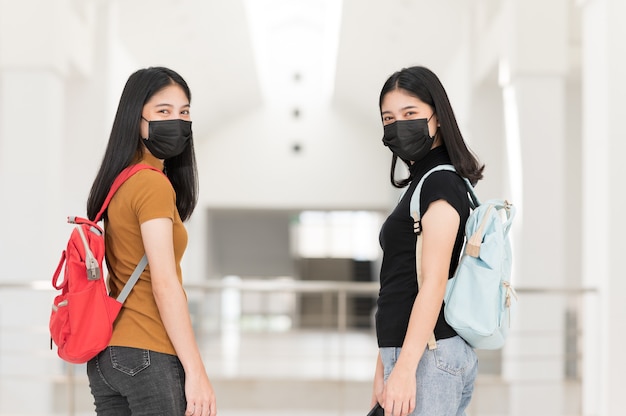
[171, 105]
[402, 109]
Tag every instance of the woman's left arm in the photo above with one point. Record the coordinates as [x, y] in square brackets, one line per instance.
[440, 225]
[171, 301]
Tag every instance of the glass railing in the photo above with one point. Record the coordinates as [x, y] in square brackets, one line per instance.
[319, 332]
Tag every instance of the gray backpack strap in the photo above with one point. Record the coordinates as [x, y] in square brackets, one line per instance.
[133, 279]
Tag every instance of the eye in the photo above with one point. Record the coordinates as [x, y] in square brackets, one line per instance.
[387, 118]
[184, 112]
[164, 111]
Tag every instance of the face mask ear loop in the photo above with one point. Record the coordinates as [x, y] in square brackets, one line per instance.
[437, 130]
[147, 121]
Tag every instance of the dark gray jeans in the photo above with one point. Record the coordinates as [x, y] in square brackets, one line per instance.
[134, 382]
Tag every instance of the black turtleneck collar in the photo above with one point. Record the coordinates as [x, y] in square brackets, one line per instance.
[435, 157]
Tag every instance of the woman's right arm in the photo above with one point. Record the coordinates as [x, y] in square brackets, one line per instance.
[170, 298]
[439, 228]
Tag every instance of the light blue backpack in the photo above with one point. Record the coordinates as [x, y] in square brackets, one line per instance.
[478, 297]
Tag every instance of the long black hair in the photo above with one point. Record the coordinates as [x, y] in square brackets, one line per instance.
[422, 83]
[125, 145]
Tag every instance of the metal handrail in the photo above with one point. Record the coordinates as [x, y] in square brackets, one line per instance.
[342, 289]
[298, 286]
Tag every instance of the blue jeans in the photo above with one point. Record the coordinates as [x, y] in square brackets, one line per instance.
[130, 381]
[445, 377]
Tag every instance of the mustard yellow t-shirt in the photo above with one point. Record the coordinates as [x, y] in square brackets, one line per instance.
[144, 196]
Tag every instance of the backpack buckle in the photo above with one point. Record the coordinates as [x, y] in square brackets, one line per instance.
[417, 223]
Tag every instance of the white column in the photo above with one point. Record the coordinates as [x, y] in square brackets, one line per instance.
[32, 98]
[604, 222]
[42, 45]
[533, 77]
[31, 138]
[46, 58]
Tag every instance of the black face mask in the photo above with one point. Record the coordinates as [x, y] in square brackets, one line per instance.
[168, 138]
[408, 139]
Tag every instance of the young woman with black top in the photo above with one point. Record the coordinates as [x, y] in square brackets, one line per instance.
[421, 130]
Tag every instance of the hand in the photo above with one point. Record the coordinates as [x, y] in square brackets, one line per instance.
[200, 395]
[399, 392]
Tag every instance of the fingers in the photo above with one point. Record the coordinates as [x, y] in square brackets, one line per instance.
[200, 410]
[398, 408]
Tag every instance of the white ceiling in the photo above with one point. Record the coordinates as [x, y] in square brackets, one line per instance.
[379, 37]
[209, 43]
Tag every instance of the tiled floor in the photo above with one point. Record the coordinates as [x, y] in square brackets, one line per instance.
[304, 354]
[255, 372]
[302, 372]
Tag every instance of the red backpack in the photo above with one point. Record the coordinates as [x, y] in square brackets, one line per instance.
[81, 322]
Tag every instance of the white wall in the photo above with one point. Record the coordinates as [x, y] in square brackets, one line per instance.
[63, 64]
[342, 163]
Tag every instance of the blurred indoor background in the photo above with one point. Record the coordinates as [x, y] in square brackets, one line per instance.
[281, 269]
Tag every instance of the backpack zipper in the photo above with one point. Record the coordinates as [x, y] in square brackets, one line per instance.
[93, 271]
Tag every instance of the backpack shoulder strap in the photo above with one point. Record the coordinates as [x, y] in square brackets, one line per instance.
[415, 198]
[132, 279]
[417, 226]
[119, 180]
